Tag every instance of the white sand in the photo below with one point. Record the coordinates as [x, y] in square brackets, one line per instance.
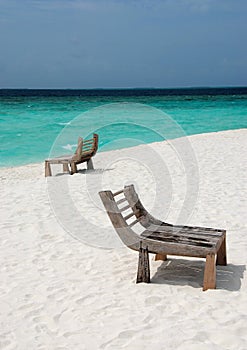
[59, 293]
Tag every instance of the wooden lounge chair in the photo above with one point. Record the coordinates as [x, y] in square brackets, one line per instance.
[85, 150]
[161, 238]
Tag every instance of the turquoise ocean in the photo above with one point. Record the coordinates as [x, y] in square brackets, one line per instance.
[32, 120]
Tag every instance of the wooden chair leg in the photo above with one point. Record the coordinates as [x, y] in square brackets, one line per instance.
[90, 164]
[47, 168]
[146, 266]
[221, 255]
[66, 168]
[160, 257]
[73, 168]
[209, 281]
[143, 272]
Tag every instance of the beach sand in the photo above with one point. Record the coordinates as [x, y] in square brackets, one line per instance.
[67, 282]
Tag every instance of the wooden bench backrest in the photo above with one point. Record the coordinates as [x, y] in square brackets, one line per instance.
[86, 148]
[123, 207]
[78, 151]
[122, 216]
[90, 146]
[125, 210]
[126, 205]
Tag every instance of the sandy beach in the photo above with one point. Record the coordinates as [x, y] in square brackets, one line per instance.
[67, 282]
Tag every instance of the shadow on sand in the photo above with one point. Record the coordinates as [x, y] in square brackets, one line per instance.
[190, 272]
[93, 171]
[86, 171]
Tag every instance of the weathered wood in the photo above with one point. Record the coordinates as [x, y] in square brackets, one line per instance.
[84, 152]
[87, 146]
[177, 245]
[88, 150]
[176, 248]
[162, 238]
[190, 231]
[129, 238]
[209, 281]
[47, 169]
[160, 257]
[117, 193]
[168, 236]
[133, 223]
[122, 200]
[66, 168]
[143, 271]
[128, 216]
[125, 208]
[140, 268]
[88, 141]
[73, 168]
[146, 266]
[221, 255]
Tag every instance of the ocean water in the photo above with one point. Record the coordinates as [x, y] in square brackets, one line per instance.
[39, 123]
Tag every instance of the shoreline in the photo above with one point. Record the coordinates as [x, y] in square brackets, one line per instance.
[119, 149]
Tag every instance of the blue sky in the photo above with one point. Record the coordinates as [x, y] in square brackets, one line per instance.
[117, 43]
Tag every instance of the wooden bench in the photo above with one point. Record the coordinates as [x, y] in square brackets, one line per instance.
[85, 150]
[126, 210]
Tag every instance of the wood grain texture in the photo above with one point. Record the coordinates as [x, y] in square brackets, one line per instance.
[209, 280]
[162, 238]
[143, 271]
[160, 257]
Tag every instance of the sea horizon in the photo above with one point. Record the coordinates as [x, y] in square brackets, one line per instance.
[202, 87]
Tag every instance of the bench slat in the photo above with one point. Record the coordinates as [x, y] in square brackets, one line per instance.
[88, 141]
[133, 223]
[210, 231]
[188, 232]
[169, 237]
[83, 153]
[117, 193]
[121, 201]
[125, 208]
[128, 216]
